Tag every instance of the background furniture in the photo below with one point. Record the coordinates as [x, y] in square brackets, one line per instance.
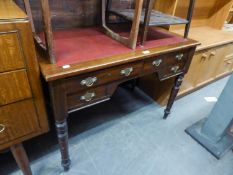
[213, 58]
[141, 19]
[22, 110]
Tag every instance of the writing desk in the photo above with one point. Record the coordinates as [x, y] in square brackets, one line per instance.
[90, 66]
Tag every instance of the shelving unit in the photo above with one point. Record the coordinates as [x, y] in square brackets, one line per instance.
[156, 19]
[143, 18]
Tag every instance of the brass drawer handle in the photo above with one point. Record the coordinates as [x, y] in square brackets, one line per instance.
[87, 97]
[126, 72]
[175, 69]
[157, 62]
[89, 81]
[179, 56]
[2, 128]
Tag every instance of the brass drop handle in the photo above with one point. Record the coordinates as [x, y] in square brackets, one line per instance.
[89, 81]
[175, 69]
[88, 96]
[2, 128]
[126, 72]
[179, 56]
[157, 62]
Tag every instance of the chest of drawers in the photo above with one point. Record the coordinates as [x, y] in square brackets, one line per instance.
[22, 109]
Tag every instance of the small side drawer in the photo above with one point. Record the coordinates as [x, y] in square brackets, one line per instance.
[14, 86]
[17, 120]
[159, 62]
[170, 71]
[86, 97]
[11, 55]
[82, 82]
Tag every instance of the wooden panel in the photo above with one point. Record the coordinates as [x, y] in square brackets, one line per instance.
[67, 14]
[14, 86]
[220, 13]
[209, 37]
[225, 64]
[167, 6]
[206, 13]
[207, 63]
[17, 120]
[11, 55]
[10, 11]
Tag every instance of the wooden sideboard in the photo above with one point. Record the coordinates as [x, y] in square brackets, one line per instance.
[212, 59]
[22, 109]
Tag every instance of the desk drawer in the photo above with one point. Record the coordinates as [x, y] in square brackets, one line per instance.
[14, 86]
[162, 61]
[11, 54]
[17, 120]
[86, 97]
[104, 76]
[170, 71]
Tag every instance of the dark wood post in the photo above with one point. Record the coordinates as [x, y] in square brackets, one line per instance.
[148, 9]
[48, 29]
[58, 98]
[173, 95]
[21, 158]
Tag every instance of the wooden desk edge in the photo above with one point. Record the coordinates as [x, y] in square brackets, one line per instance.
[53, 72]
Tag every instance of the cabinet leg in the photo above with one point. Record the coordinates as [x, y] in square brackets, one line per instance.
[173, 95]
[21, 158]
[62, 134]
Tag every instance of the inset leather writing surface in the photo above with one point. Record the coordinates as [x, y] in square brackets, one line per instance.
[17, 120]
[11, 55]
[14, 87]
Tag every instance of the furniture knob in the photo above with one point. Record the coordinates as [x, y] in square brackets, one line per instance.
[204, 56]
[157, 62]
[87, 97]
[89, 81]
[179, 56]
[229, 62]
[175, 69]
[126, 72]
[212, 53]
[2, 128]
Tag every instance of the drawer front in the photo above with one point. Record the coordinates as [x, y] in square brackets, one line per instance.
[11, 55]
[170, 71]
[17, 120]
[14, 86]
[159, 62]
[104, 76]
[86, 97]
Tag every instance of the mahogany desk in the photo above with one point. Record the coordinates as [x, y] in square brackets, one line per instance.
[88, 82]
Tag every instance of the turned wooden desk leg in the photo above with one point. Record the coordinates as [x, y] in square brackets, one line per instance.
[21, 158]
[62, 134]
[173, 95]
[58, 98]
